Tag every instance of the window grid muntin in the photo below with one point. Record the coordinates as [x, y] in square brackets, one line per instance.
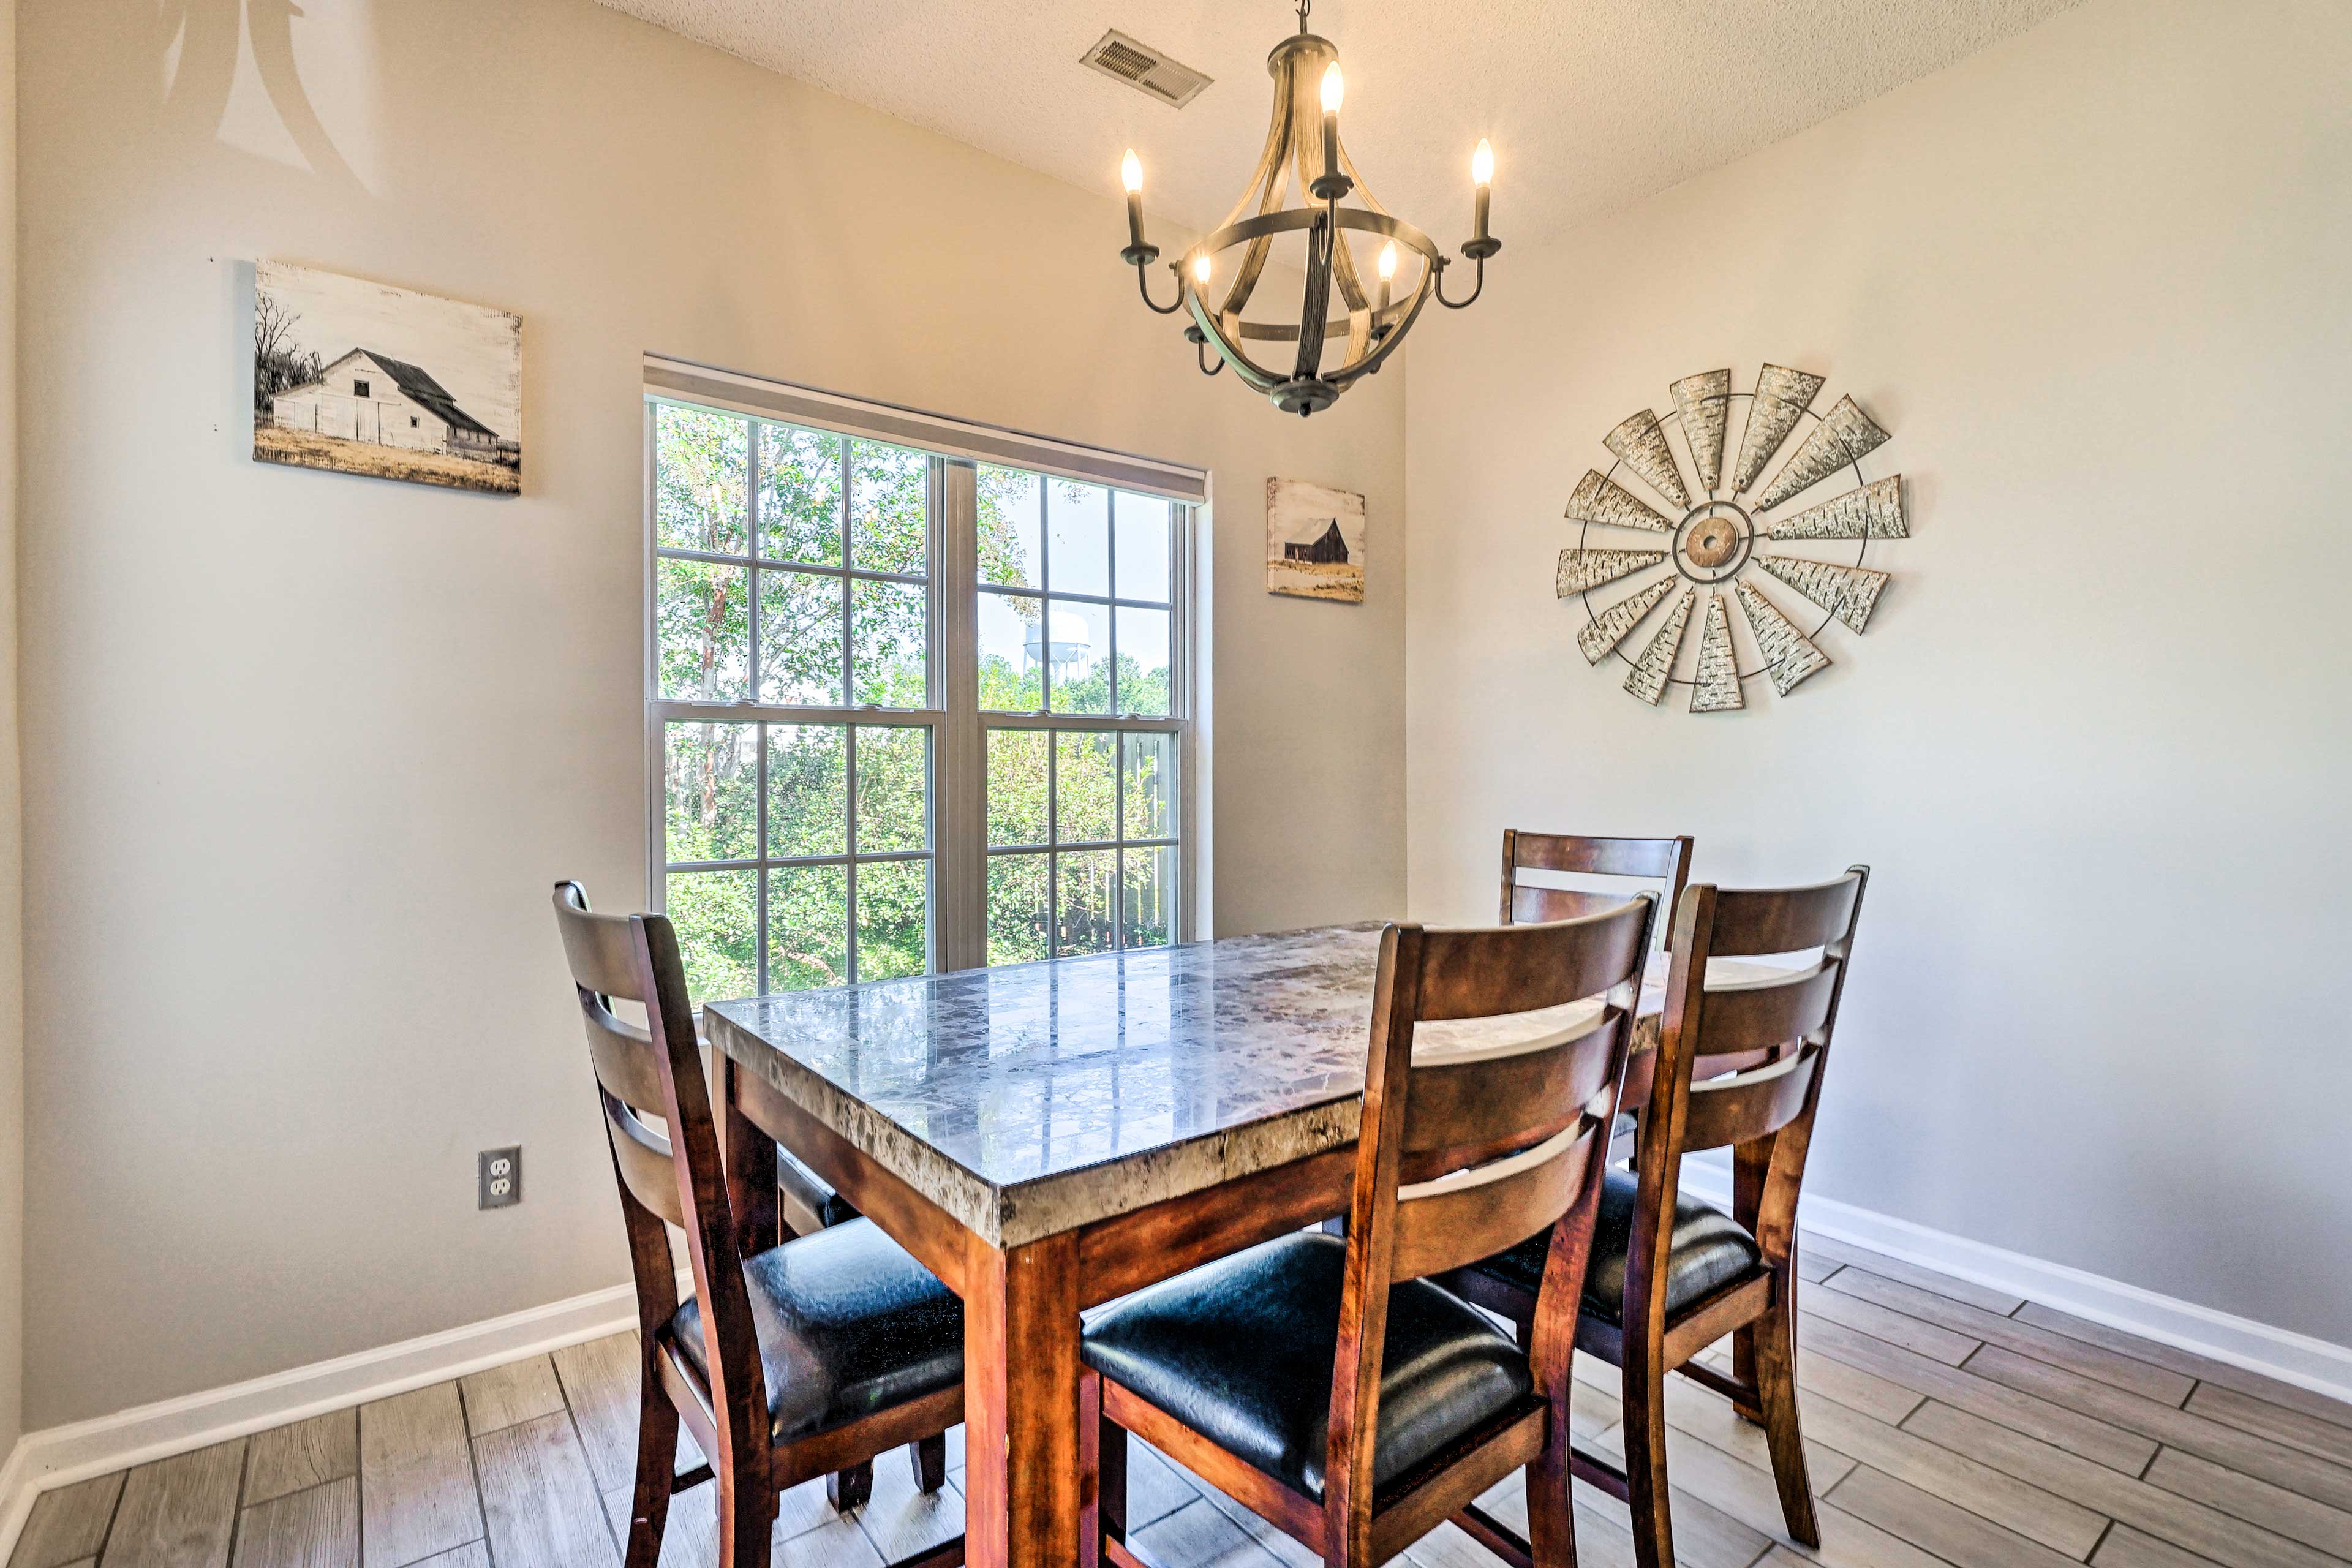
[952, 526]
[1178, 515]
[852, 857]
[763, 716]
[1053, 849]
[755, 562]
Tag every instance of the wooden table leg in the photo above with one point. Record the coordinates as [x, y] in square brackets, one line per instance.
[751, 1159]
[1021, 1408]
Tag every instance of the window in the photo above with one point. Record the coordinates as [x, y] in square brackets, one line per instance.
[910, 710]
[412, 422]
[359, 389]
[1075, 602]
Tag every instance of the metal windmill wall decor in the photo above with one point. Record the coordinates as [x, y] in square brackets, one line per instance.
[1718, 540]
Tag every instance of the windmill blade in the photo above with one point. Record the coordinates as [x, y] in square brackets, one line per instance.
[1704, 403]
[1598, 637]
[1782, 395]
[1651, 672]
[1642, 444]
[1849, 593]
[1717, 690]
[1583, 569]
[1599, 498]
[1789, 654]
[1874, 511]
[1847, 434]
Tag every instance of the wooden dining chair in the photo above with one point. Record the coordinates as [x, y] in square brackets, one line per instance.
[799, 1360]
[778, 1198]
[1739, 1065]
[1665, 861]
[1324, 1382]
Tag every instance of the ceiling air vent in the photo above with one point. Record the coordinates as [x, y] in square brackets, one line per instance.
[1140, 66]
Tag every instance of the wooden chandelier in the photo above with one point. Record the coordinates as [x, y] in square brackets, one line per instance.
[1369, 326]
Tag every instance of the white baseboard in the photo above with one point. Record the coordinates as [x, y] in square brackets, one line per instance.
[17, 1493]
[2290, 1357]
[60, 1455]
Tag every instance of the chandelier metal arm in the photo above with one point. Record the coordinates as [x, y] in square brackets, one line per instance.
[1213, 331]
[1268, 224]
[1261, 230]
[1321, 241]
[1389, 341]
[1143, 287]
[1398, 320]
[1323, 172]
[1200, 342]
[1477, 290]
[1267, 181]
[1225, 333]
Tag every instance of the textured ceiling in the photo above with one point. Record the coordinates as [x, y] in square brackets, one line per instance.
[1590, 105]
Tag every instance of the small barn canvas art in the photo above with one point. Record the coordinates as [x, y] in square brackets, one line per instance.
[1314, 542]
[365, 379]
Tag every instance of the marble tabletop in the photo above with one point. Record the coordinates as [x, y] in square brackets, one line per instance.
[1031, 1098]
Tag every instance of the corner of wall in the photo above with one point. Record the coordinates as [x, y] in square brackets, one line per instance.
[12, 949]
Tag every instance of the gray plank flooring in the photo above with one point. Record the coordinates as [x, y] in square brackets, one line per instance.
[176, 1511]
[318, 1527]
[418, 1495]
[1948, 1426]
[305, 1453]
[68, 1524]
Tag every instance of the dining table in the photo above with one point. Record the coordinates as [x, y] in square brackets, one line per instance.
[1049, 1136]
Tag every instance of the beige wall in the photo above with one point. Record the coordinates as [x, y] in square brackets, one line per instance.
[12, 863]
[306, 751]
[2095, 743]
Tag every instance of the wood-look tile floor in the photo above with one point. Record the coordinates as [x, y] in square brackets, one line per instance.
[1948, 1425]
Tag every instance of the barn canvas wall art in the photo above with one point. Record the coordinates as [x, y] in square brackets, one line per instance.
[1314, 542]
[360, 378]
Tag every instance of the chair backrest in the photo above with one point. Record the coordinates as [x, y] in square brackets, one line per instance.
[1739, 1065]
[674, 1175]
[1476, 1145]
[1665, 861]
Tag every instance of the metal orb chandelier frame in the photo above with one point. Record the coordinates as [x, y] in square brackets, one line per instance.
[1369, 326]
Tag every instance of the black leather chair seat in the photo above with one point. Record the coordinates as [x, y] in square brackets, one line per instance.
[848, 1324]
[1241, 1352]
[797, 1184]
[1710, 1250]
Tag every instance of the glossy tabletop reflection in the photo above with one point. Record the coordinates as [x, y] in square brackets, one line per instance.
[1027, 1100]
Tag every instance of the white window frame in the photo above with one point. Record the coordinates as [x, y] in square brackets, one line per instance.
[959, 852]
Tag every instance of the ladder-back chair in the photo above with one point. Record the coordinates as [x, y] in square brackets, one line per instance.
[1324, 1382]
[799, 1360]
[1740, 1066]
[1665, 861]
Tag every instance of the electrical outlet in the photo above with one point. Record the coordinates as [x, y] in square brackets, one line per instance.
[500, 1178]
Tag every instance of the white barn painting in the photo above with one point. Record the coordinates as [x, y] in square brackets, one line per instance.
[362, 378]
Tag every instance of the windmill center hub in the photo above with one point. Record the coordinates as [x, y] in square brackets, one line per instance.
[1712, 543]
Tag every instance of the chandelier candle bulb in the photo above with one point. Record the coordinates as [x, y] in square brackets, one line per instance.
[1482, 181]
[1131, 174]
[1201, 266]
[1332, 185]
[1388, 271]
